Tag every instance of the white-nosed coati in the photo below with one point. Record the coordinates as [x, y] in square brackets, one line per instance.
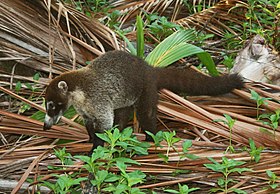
[105, 91]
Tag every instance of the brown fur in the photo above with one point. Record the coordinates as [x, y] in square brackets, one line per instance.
[106, 91]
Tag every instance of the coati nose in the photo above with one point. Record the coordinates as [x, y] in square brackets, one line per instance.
[46, 126]
[48, 122]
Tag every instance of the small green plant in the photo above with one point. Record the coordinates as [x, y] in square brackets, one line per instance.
[272, 179]
[91, 6]
[186, 145]
[262, 18]
[120, 143]
[260, 101]
[64, 157]
[230, 123]
[228, 61]
[112, 20]
[126, 181]
[98, 165]
[183, 189]
[158, 138]
[160, 27]
[171, 139]
[227, 167]
[273, 120]
[254, 152]
[65, 184]
[30, 86]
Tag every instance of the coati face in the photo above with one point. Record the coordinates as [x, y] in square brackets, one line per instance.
[56, 102]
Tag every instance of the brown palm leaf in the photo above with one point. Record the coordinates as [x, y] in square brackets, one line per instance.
[50, 34]
[215, 18]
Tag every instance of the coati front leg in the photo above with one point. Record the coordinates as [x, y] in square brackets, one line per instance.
[101, 121]
[147, 110]
[92, 129]
[121, 117]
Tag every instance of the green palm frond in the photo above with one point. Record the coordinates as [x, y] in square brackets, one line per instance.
[175, 47]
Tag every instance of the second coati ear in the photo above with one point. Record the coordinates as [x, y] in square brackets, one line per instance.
[62, 85]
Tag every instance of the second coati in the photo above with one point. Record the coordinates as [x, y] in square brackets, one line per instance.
[105, 92]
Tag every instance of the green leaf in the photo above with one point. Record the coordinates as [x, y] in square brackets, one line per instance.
[130, 46]
[173, 40]
[135, 177]
[36, 76]
[254, 95]
[238, 191]
[18, 86]
[126, 133]
[192, 156]
[164, 157]
[171, 191]
[186, 145]
[116, 135]
[140, 150]
[101, 175]
[252, 144]
[104, 137]
[111, 177]
[273, 186]
[39, 116]
[85, 159]
[271, 174]
[221, 182]
[29, 86]
[214, 167]
[61, 182]
[121, 188]
[136, 191]
[240, 170]
[126, 160]
[207, 60]
[49, 185]
[140, 37]
[121, 166]
[175, 47]
[157, 138]
[78, 180]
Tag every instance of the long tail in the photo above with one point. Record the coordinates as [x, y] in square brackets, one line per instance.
[194, 83]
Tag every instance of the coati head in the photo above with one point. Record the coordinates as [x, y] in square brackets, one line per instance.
[56, 102]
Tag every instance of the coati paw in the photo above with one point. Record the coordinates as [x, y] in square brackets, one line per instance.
[89, 188]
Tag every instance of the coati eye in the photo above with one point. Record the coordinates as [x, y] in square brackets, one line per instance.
[50, 105]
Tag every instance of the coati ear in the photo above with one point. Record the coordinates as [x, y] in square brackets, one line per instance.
[62, 85]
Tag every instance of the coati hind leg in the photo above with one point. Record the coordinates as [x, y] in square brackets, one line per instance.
[121, 117]
[147, 110]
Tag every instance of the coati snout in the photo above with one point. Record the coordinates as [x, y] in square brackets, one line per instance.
[105, 92]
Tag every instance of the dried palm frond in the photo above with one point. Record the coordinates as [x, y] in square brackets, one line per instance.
[215, 18]
[130, 9]
[50, 34]
[212, 18]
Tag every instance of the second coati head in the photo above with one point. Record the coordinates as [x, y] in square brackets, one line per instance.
[105, 92]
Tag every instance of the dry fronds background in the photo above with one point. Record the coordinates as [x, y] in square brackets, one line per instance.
[51, 38]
